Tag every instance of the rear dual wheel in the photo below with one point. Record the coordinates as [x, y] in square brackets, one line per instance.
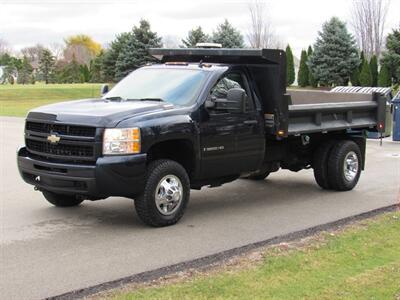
[337, 165]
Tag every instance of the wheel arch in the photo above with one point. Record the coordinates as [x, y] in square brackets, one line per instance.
[181, 150]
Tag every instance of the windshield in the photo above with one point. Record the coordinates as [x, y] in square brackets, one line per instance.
[176, 86]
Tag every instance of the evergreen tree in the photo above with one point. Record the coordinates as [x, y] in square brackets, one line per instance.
[24, 71]
[384, 79]
[373, 65]
[355, 77]
[195, 36]
[46, 65]
[391, 57]
[365, 75]
[335, 54]
[134, 53]
[290, 74]
[69, 73]
[111, 55]
[362, 59]
[311, 78]
[228, 36]
[302, 76]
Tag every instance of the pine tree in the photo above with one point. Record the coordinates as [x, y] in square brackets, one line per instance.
[111, 55]
[290, 74]
[384, 79]
[355, 75]
[134, 53]
[335, 54]
[362, 59]
[25, 71]
[391, 57]
[69, 73]
[195, 36]
[311, 78]
[373, 65]
[302, 76]
[365, 75]
[228, 36]
[46, 65]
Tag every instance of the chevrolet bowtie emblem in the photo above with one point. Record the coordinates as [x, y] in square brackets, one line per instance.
[53, 139]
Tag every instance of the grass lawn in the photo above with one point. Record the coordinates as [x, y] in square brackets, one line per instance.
[360, 262]
[17, 100]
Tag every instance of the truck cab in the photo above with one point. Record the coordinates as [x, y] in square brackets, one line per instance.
[201, 117]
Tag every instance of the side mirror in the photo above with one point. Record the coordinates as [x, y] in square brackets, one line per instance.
[235, 101]
[104, 89]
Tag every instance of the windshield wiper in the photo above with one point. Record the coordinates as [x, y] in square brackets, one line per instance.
[114, 98]
[151, 99]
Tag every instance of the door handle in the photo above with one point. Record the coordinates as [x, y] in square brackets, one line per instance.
[250, 122]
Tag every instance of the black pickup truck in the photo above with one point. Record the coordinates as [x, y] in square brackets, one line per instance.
[201, 117]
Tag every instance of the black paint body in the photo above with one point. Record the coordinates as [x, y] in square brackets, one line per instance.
[213, 148]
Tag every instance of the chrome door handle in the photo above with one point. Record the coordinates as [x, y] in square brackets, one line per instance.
[250, 122]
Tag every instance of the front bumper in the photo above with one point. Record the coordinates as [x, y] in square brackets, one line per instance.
[109, 176]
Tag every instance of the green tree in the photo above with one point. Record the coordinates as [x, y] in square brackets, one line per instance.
[228, 36]
[373, 65]
[290, 73]
[134, 53]
[46, 65]
[391, 57]
[195, 36]
[69, 72]
[384, 78]
[85, 75]
[24, 71]
[362, 59]
[111, 55]
[365, 75]
[311, 78]
[302, 76]
[335, 54]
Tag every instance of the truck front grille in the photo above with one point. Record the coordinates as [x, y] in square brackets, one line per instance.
[59, 149]
[80, 144]
[63, 129]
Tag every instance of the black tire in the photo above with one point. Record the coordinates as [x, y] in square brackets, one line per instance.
[320, 164]
[336, 169]
[60, 200]
[258, 176]
[145, 204]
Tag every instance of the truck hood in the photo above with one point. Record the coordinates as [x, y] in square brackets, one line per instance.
[96, 112]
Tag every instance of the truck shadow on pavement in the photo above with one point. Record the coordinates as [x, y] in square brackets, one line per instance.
[230, 199]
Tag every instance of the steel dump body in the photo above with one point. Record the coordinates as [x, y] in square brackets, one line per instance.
[297, 111]
[313, 111]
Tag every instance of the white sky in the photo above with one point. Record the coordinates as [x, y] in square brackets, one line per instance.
[25, 23]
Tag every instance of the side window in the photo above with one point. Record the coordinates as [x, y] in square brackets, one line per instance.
[230, 81]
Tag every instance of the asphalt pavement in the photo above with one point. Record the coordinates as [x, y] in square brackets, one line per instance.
[46, 251]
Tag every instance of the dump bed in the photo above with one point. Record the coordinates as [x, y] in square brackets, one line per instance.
[296, 112]
[319, 111]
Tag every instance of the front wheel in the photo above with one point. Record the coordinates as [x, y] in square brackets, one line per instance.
[60, 200]
[165, 195]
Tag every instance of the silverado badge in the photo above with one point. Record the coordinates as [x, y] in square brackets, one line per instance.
[53, 139]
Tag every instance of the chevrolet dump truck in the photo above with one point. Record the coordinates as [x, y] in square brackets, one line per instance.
[201, 117]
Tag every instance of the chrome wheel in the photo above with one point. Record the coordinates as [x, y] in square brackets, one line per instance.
[168, 195]
[350, 167]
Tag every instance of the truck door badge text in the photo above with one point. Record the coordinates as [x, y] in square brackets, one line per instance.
[218, 148]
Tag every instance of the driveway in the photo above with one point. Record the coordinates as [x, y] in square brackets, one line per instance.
[47, 251]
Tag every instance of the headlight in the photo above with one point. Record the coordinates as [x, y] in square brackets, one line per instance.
[121, 141]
